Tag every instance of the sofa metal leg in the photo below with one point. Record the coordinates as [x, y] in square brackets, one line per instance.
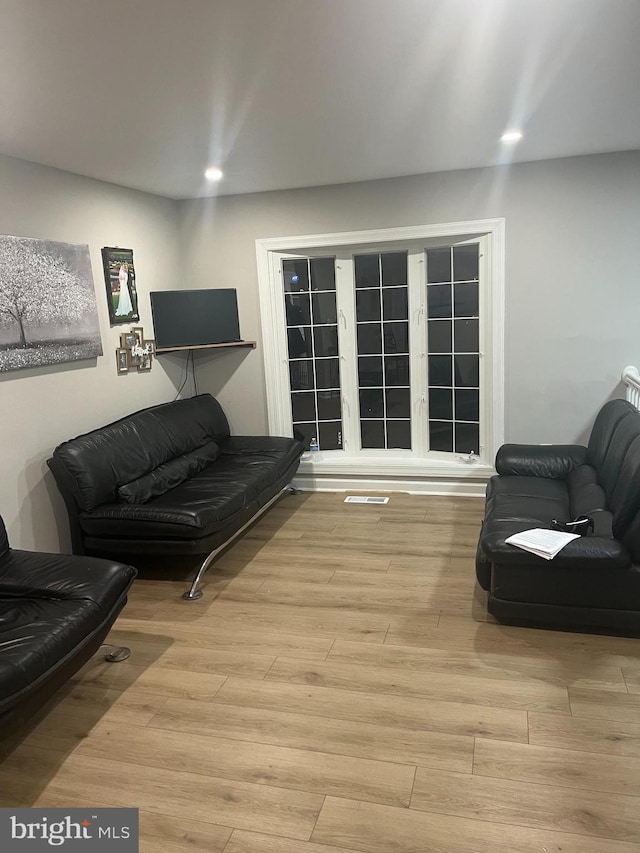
[193, 593]
[117, 653]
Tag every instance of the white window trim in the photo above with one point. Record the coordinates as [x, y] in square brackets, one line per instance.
[383, 468]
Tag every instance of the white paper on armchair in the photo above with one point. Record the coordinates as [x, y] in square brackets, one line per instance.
[543, 543]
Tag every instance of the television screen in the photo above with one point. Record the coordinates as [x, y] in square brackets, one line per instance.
[188, 318]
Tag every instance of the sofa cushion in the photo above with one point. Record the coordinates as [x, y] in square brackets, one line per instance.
[169, 475]
[94, 465]
[627, 430]
[603, 428]
[206, 502]
[625, 499]
[532, 487]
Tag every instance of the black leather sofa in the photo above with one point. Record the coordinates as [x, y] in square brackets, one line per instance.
[594, 582]
[169, 480]
[55, 612]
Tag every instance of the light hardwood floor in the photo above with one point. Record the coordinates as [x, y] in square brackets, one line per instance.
[341, 687]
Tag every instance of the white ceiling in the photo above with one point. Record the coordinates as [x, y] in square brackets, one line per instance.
[292, 93]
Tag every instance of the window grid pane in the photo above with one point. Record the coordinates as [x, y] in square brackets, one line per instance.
[453, 338]
[314, 366]
[382, 334]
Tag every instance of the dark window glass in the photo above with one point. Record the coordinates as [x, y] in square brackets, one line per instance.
[370, 370]
[299, 342]
[467, 438]
[324, 308]
[399, 434]
[323, 275]
[396, 337]
[438, 265]
[396, 370]
[440, 336]
[369, 338]
[305, 432]
[394, 269]
[327, 373]
[467, 405]
[371, 403]
[466, 335]
[398, 403]
[330, 435]
[467, 374]
[367, 270]
[367, 305]
[439, 300]
[394, 304]
[372, 434]
[441, 403]
[301, 375]
[295, 275]
[297, 306]
[440, 370]
[465, 300]
[465, 263]
[329, 407]
[326, 340]
[440, 436]
[303, 406]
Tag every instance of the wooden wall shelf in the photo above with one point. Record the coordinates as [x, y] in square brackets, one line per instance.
[231, 345]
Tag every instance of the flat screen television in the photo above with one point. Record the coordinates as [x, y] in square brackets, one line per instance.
[191, 318]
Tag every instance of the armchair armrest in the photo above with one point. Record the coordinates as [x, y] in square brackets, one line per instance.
[553, 461]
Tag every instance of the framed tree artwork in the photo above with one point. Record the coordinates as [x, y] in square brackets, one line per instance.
[120, 280]
[48, 311]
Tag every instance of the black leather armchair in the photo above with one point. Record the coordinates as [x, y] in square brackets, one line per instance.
[594, 582]
[55, 612]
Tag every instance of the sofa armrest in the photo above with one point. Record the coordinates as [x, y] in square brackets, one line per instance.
[552, 461]
[592, 551]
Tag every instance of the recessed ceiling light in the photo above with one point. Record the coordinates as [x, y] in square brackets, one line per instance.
[511, 136]
[213, 174]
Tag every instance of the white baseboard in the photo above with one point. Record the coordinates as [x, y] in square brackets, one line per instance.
[421, 486]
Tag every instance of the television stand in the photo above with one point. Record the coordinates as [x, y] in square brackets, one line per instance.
[228, 345]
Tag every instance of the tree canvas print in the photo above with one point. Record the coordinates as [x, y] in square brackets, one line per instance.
[120, 278]
[48, 311]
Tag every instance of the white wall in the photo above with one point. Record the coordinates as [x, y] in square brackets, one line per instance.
[572, 280]
[42, 407]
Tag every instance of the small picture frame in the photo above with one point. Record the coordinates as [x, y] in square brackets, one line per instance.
[122, 360]
[128, 340]
[138, 331]
[150, 346]
[145, 362]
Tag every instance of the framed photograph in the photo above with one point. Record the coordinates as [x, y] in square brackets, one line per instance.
[145, 362]
[128, 340]
[138, 331]
[149, 346]
[122, 360]
[120, 280]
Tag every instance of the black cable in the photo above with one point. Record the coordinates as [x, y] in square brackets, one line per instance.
[186, 376]
[193, 369]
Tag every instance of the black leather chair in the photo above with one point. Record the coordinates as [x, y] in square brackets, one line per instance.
[594, 582]
[55, 612]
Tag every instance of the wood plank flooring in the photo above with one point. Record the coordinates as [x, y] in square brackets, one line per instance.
[340, 687]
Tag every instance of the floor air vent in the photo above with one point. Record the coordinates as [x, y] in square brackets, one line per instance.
[365, 499]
